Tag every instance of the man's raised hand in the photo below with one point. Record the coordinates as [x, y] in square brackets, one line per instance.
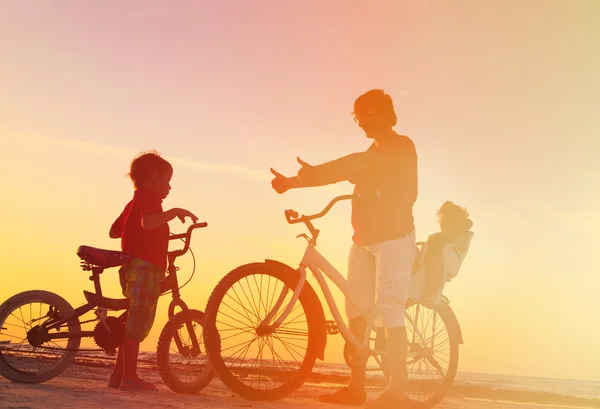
[279, 183]
[306, 172]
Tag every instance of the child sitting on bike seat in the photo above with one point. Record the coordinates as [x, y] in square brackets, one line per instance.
[144, 232]
[454, 225]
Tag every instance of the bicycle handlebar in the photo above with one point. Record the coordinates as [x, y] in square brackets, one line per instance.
[292, 216]
[188, 236]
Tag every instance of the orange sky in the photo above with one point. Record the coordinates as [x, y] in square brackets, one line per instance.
[500, 98]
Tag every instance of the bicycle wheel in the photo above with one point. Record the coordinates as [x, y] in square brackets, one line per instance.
[430, 365]
[255, 363]
[182, 365]
[27, 354]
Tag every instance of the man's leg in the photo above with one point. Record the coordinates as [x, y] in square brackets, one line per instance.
[361, 280]
[393, 397]
[396, 354]
[394, 261]
[358, 371]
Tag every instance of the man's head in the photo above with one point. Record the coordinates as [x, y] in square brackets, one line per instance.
[374, 112]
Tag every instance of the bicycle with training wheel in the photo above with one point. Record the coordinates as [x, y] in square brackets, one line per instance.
[265, 327]
[40, 332]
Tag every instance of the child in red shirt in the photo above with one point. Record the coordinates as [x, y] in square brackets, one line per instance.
[144, 232]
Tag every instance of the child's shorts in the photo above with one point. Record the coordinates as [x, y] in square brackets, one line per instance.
[140, 281]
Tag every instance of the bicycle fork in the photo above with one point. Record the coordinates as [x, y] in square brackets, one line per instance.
[264, 326]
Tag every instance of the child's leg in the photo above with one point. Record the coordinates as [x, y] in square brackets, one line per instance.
[142, 288]
[117, 374]
[130, 348]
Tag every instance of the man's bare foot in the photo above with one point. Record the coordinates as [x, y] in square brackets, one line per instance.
[137, 385]
[346, 396]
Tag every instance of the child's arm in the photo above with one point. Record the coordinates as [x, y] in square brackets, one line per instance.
[155, 220]
[117, 227]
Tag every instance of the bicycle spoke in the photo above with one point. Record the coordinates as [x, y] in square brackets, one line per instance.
[246, 349]
[289, 349]
[430, 353]
[244, 308]
[261, 359]
[260, 299]
[228, 316]
[233, 328]
[256, 309]
[269, 342]
[237, 312]
[283, 361]
[261, 345]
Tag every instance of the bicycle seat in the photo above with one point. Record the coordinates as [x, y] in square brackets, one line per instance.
[103, 258]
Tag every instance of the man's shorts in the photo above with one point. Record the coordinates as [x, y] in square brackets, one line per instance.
[140, 281]
[379, 276]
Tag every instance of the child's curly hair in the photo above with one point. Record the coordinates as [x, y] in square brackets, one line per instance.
[453, 219]
[147, 164]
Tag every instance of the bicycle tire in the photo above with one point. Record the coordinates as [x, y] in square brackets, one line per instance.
[166, 370]
[212, 337]
[63, 306]
[449, 321]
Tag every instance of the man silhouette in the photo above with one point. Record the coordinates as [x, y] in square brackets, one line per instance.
[383, 249]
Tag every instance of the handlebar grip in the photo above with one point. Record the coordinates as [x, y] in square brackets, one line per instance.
[291, 214]
[189, 230]
[188, 236]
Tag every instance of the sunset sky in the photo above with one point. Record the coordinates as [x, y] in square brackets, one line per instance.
[501, 99]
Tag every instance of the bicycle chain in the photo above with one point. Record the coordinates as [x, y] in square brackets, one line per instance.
[76, 349]
[72, 349]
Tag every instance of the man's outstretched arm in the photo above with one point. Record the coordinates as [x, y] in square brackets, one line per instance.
[325, 174]
[336, 170]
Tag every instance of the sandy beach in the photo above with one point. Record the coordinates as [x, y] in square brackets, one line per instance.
[84, 387]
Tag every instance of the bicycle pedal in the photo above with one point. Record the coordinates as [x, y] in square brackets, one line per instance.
[101, 313]
[331, 327]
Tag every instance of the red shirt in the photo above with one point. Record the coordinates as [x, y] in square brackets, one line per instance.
[148, 245]
[395, 177]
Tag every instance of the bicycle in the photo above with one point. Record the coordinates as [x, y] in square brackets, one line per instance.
[37, 356]
[265, 327]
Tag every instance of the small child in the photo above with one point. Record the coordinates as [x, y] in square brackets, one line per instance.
[454, 224]
[144, 232]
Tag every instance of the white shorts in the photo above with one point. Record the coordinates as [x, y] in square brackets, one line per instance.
[379, 276]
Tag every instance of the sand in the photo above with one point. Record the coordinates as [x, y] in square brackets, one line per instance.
[84, 387]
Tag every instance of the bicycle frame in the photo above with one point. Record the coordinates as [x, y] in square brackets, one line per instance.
[98, 300]
[321, 268]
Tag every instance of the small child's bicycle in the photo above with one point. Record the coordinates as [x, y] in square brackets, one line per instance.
[40, 332]
[265, 327]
